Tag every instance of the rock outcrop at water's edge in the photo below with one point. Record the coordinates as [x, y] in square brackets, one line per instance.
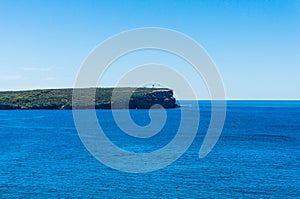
[61, 99]
[154, 99]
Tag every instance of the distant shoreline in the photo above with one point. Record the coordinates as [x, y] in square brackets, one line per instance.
[104, 98]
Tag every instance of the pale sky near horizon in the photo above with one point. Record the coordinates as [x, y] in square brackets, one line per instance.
[254, 44]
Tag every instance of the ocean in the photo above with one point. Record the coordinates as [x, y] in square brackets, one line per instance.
[257, 155]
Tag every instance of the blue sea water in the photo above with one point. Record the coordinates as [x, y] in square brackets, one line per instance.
[257, 156]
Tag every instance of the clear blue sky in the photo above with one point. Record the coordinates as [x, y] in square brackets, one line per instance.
[255, 44]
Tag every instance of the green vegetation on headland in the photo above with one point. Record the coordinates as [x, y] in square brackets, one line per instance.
[124, 97]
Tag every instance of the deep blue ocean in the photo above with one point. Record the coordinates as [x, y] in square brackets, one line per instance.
[257, 156]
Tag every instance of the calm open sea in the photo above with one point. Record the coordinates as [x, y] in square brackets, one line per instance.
[257, 156]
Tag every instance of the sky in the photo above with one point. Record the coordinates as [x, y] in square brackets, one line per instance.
[254, 44]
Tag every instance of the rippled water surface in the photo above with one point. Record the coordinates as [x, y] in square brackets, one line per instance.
[256, 156]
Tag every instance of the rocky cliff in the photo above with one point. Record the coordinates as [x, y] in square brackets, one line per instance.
[55, 99]
[155, 99]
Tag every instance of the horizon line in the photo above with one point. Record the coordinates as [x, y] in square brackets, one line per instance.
[200, 99]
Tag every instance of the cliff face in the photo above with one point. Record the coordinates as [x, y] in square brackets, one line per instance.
[55, 99]
[164, 98]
